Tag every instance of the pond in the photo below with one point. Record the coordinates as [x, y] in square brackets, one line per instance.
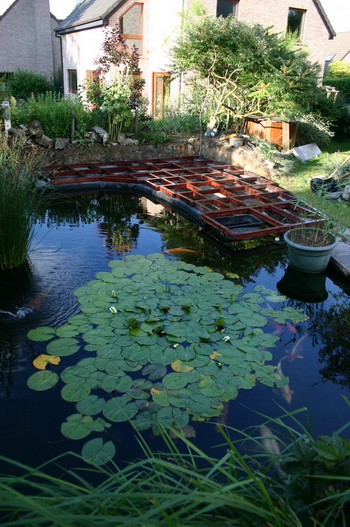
[80, 236]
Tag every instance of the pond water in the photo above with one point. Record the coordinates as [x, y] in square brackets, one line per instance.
[79, 236]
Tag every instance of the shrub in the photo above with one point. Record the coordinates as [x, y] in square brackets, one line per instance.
[55, 114]
[341, 83]
[22, 84]
[314, 130]
[339, 69]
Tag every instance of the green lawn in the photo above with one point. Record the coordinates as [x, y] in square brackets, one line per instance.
[298, 182]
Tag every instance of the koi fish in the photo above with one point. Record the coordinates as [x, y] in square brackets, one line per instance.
[295, 352]
[291, 328]
[38, 299]
[125, 247]
[270, 444]
[178, 250]
[284, 391]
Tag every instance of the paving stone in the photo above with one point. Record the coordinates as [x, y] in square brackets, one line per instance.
[341, 258]
[305, 152]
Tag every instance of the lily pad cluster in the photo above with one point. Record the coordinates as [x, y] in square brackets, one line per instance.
[165, 341]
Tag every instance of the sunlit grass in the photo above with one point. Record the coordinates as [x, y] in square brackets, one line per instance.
[298, 182]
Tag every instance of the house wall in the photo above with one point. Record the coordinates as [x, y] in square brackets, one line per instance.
[79, 51]
[161, 21]
[26, 38]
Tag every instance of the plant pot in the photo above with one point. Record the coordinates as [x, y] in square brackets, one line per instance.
[309, 258]
[307, 287]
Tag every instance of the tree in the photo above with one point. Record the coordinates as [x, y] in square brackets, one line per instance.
[122, 93]
[243, 69]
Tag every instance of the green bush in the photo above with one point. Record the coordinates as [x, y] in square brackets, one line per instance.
[22, 84]
[341, 83]
[339, 69]
[313, 130]
[55, 113]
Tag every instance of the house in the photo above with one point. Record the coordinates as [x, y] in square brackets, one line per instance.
[339, 48]
[150, 24]
[27, 38]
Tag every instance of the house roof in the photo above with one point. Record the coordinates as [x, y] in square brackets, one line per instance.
[326, 20]
[340, 46]
[95, 11]
[88, 12]
[11, 6]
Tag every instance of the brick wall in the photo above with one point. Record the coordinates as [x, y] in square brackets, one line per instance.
[26, 39]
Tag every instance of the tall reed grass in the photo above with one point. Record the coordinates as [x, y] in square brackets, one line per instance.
[305, 484]
[20, 198]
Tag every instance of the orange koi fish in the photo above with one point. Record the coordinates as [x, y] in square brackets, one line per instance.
[178, 250]
[122, 248]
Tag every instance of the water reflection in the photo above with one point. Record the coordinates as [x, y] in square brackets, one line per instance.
[330, 329]
[307, 287]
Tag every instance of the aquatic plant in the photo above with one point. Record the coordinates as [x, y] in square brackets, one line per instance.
[173, 488]
[20, 198]
[166, 341]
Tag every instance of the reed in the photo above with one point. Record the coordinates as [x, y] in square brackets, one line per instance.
[20, 198]
[186, 486]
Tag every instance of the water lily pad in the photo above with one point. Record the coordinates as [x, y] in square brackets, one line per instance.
[41, 334]
[43, 360]
[75, 391]
[118, 410]
[91, 405]
[63, 347]
[75, 374]
[42, 380]
[160, 397]
[74, 427]
[68, 330]
[110, 383]
[96, 452]
[154, 371]
[175, 381]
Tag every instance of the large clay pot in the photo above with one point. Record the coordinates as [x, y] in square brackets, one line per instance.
[308, 258]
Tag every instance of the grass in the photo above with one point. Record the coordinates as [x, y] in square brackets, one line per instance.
[299, 182]
[20, 198]
[306, 483]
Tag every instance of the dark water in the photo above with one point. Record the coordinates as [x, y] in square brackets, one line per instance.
[79, 236]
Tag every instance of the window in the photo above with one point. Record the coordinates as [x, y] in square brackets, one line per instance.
[295, 22]
[131, 26]
[226, 7]
[72, 81]
[161, 93]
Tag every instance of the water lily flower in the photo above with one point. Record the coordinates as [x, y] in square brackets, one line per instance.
[226, 338]
[114, 294]
[113, 310]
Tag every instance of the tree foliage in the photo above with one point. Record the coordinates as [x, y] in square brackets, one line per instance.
[244, 69]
